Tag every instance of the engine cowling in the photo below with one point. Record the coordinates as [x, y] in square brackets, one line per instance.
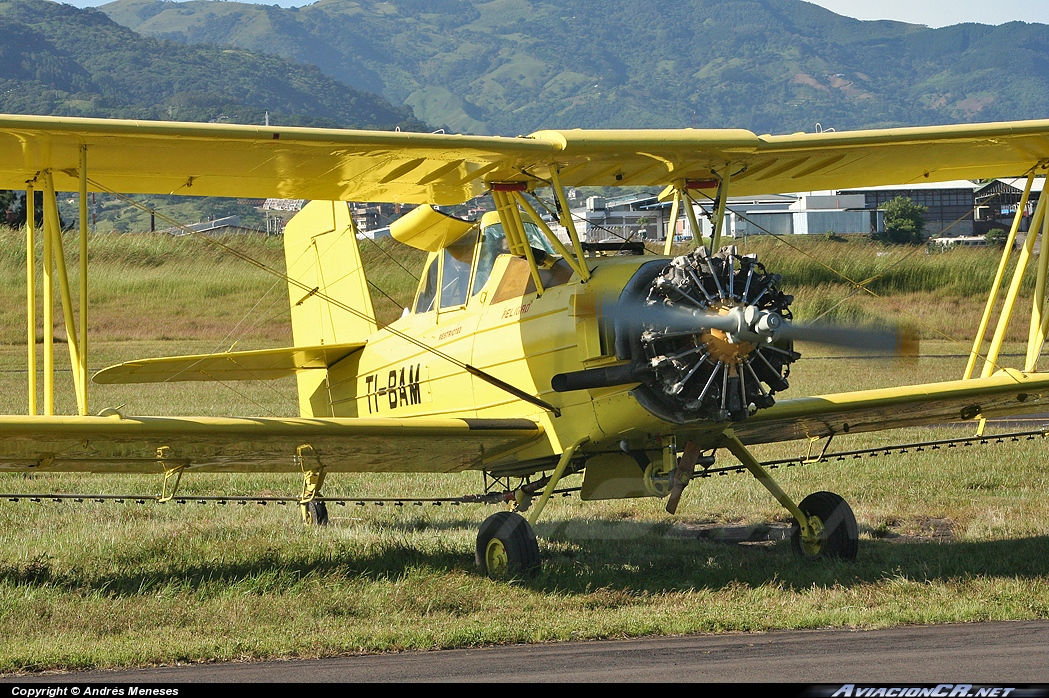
[703, 340]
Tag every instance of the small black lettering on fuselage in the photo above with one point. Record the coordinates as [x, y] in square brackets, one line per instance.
[394, 388]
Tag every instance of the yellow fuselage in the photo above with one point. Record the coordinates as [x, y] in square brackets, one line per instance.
[523, 340]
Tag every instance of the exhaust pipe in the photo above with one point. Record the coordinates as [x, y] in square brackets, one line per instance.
[622, 374]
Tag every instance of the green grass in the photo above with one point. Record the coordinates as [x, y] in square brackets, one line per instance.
[946, 536]
[101, 585]
[188, 288]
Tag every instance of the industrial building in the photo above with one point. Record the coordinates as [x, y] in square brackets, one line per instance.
[996, 203]
[950, 205]
[957, 209]
[952, 211]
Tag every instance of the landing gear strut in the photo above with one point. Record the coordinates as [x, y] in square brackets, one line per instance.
[824, 525]
[314, 511]
[506, 543]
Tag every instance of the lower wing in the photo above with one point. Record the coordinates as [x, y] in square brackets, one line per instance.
[116, 444]
[1007, 392]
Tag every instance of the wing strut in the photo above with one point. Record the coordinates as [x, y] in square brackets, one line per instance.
[55, 264]
[675, 210]
[30, 263]
[1037, 325]
[83, 279]
[578, 265]
[682, 196]
[513, 228]
[566, 220]
[719, 212]
[996, 286]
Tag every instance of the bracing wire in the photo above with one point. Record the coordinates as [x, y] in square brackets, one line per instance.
[863, 285]
[314, 291]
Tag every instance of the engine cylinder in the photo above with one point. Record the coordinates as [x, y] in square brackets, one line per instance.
[696, 372]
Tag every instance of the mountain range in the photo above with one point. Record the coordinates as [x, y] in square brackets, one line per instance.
[57, 59]
[514, 66]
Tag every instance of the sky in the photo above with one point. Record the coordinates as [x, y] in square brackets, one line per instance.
[934, 13]
[941, 13]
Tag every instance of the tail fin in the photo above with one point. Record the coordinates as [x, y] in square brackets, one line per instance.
[320, 249]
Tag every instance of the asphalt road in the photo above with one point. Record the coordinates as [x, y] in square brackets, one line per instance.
[1004, 653]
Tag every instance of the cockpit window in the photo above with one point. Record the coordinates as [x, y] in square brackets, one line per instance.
[455, 279]
[536, 238]
[493, 244]
[424, 304]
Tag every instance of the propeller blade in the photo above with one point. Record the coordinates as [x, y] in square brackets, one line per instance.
[896, 341]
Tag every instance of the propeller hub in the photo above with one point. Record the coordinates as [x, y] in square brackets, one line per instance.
[728, 346]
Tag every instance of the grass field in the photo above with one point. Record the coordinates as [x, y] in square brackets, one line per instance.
[946, 536]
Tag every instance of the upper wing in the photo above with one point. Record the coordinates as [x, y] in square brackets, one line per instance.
[231, 444]
[158, 157]
[1007, 392]
[802, 161]
[262, 364]
[333, 164]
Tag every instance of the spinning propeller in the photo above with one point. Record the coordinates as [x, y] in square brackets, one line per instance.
[711, 337]
[753, 325]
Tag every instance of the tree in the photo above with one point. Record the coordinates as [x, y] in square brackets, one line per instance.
[8, 199]
[904, 224]
[996, 237]
[13, 208]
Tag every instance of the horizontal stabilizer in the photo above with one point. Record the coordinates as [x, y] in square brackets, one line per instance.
[263, 364]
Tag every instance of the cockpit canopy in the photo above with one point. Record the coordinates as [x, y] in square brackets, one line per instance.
[465, 266]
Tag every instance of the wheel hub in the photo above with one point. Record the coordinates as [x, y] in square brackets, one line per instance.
[657, 480]
[812, 536]
[496, 559]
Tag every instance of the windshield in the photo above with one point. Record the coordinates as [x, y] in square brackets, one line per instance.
[426, 298]
[456, 275]
[493, 244]
[536, 238]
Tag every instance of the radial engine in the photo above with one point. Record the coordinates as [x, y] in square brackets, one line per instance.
[705, 335]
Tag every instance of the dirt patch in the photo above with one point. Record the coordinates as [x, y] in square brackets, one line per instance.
[732, 534]
[973, 105]
[806, 79]
[924, 530]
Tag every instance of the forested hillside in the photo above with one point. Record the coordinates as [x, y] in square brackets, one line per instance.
[513, 66]
[57, 59]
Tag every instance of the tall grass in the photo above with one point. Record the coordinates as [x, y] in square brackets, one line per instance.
[185, 288]
[888, 269]
[939, 295]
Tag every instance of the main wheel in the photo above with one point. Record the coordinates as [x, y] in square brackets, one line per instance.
[506, 547]
[835, 525]
[316, 513]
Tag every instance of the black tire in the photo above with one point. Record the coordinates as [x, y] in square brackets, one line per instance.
[520, 550]
[840, 537]
[317, 510]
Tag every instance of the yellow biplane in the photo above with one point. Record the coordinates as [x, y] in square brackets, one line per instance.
[523, 356]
